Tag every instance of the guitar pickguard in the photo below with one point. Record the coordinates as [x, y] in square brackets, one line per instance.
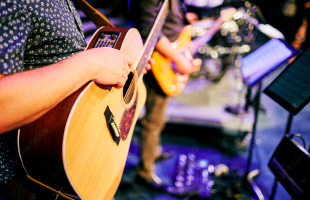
[127, 120]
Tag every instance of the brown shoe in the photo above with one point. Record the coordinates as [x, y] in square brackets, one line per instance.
[164, 156]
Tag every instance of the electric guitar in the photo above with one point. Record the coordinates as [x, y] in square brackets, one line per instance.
[79, 148]
[164, 70]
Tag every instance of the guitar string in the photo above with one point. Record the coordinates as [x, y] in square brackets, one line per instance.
[131, 85]
[130, 90]
[126, 98]
[131, 93]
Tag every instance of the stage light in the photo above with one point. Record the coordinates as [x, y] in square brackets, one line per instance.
[238, 15]
[214, 54]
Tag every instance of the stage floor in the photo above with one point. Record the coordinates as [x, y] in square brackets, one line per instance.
[203, 103]
[217, 148]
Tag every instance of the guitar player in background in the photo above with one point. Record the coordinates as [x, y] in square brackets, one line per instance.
[35, 34]
[157, 101]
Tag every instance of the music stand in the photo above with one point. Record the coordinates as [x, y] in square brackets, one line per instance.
[291, 89]
[254, 67]
[260, 63]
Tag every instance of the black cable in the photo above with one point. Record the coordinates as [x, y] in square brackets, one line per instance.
[49, 196]
[264, 188]
[300, 136]
[20, 187]
[258, 157]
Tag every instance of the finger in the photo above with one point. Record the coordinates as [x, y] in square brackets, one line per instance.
[185, 77]
[125, 66]
[128, 59]
[125, 76]
[127, 70]
[117, 86]
[148, 67]
[145, 71]
[120, 83]
[196, 62]
[151, 61]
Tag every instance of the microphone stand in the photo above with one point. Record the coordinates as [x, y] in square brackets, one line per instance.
[249, 176]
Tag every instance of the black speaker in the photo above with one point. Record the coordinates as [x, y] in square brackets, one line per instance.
[290, 164]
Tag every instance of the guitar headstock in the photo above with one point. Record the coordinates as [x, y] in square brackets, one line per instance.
[227, 14]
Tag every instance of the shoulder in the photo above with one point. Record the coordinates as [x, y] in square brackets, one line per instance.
[12, 9]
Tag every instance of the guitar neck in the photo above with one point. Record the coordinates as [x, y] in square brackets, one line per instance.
[93, 14]
[152, 38]
[200, 41]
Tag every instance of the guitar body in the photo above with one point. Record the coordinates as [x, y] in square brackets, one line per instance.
[170, 81]
[72, 148]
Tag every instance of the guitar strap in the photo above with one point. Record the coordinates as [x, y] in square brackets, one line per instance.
[97, 17]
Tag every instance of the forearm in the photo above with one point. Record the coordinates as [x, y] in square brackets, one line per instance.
[28, 95]
[163, 46]
[183, 64]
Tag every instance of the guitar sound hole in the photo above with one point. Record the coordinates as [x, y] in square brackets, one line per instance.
[129, 88]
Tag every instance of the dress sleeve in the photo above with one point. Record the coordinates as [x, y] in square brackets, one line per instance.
[15, 27]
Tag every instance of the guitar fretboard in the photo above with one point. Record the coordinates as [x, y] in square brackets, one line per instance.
[152, 38]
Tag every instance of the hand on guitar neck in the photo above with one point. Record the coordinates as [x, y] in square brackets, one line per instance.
[184, 64]
[225, 16]
[174, 61]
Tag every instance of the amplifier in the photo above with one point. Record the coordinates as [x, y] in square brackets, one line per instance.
[290, 164]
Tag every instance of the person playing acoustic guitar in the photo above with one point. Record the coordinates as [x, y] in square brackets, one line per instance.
[35, 34]
[157, 101]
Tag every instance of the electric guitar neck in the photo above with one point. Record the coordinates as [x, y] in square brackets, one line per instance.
[165, 71]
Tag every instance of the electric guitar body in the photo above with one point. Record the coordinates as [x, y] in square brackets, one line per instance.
[170, 81]
[79, 148]
[164, 70]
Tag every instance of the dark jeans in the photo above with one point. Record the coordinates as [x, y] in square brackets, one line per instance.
[152, 124]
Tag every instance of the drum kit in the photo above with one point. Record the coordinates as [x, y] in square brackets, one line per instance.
[236, 39]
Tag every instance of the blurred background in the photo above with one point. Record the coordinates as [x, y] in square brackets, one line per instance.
[211, 122]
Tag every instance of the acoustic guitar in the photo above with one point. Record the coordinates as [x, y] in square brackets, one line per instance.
[164, 70]
[79, 148]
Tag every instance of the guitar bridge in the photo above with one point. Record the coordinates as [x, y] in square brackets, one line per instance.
[114, 130]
